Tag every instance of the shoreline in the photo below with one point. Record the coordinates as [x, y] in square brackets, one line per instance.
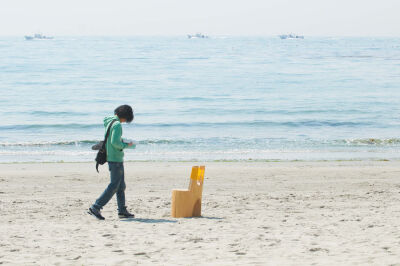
[215, 161]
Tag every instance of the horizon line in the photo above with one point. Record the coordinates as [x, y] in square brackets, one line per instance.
[210, 35]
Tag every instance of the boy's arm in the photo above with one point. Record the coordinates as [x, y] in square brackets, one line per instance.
[116, 135]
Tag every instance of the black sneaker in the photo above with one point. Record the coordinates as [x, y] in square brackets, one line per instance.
[95, 212]
[125, 214]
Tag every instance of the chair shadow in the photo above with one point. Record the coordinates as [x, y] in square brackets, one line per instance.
[205, 217]
[149, 221]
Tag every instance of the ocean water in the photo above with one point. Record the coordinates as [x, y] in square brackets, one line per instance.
[222, 98]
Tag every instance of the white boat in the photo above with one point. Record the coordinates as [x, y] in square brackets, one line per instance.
[37, 36]
[291, 36]
[197, 35]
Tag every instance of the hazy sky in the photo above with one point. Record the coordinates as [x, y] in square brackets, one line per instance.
[213, 17]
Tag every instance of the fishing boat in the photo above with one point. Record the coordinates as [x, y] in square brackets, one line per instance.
[197, 35]
[37, 36]
[291, 36]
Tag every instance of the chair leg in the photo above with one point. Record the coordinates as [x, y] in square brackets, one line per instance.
[182, 204]
[197, 208]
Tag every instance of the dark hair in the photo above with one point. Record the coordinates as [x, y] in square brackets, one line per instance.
[124, 111]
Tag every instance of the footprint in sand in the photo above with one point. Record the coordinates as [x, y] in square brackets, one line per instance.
[318, 249]
[240, 253]
[140, 253]
[108, 236]
[118, 250]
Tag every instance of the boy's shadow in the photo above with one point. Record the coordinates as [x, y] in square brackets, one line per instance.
[149, 221]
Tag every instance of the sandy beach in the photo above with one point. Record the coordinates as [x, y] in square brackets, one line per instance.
[254, 213]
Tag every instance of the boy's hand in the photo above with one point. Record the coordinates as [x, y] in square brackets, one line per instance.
[130, 144]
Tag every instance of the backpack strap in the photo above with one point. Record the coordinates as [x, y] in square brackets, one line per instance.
[108, 133]
[104, 143]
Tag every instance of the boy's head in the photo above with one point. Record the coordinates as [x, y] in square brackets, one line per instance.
[124, 113]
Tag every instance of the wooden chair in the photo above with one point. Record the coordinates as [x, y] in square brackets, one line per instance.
[187, 203]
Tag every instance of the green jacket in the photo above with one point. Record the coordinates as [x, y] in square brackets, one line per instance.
[114, 146]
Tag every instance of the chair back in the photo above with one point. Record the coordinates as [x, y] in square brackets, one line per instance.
[197, 179]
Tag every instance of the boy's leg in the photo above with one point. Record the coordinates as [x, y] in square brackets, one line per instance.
[121, 192]
[115, 175]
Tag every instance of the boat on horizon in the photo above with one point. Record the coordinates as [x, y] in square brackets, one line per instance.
[197, 36]
[291, 36]
[37, 36]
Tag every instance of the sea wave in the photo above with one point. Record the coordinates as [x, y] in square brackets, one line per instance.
[57, 113]
[47, 143]
[87, 143]
[305, 123]
[225, 142]
[370, 141]
[253, 123]
[47, 126]
[262, 123]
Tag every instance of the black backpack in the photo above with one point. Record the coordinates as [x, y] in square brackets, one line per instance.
[101, 157]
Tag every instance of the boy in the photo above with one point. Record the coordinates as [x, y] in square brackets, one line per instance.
[115, 159]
